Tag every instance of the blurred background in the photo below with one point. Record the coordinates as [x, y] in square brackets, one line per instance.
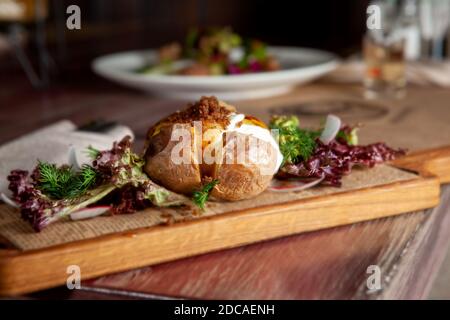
[34, 38]
[116, 25]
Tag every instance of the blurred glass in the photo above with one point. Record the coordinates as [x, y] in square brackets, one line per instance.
[384, 51]
[23, 10]
[385, 68]
[434, 23]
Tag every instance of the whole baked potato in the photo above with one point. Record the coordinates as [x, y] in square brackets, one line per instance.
[208, 141]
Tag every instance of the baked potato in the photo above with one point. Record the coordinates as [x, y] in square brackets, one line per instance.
[208, 141]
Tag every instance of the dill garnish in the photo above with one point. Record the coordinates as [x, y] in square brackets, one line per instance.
[92, 152]
[295, 144]
[64, 182]
[201, 196]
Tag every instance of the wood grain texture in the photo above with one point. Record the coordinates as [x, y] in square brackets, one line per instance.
[422, 252]
[22, 236]
[434, 161]
[37, 269]
[328, 263]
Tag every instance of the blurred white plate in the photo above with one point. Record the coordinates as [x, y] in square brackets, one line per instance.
[298, 66]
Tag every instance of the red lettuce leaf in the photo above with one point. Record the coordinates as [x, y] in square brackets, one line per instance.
[336, 159]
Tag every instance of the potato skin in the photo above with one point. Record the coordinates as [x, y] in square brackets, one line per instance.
[237, 180]
[245, 180]
[181, 178]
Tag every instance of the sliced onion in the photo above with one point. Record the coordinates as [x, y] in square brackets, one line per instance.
[90, 212]
[73, 159]
[292, 185]
[8, 200]
[332, 126]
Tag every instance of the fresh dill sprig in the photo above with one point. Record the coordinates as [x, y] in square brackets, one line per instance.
[53, 180]
[295, 144]
[63, 182]
[201, 196]
[92, 152]
[83, 180]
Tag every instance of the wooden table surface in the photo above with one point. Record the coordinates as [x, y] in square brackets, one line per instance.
[326, 264]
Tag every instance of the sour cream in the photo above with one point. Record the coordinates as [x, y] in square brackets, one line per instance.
[255, 131]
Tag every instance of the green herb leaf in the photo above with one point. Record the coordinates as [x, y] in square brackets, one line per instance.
[351, 137]
[92, 152]
[200, 197]
[83, 181]
[295, 144]
[63, 182]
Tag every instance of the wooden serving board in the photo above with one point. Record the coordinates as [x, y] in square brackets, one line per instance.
[23, 271]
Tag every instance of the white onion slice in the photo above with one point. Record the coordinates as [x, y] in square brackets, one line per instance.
[331, 129]
[8, 200]
[73, 159]
[91, 212]
[292, 185]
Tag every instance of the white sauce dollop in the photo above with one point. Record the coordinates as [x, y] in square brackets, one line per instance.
[256, 131]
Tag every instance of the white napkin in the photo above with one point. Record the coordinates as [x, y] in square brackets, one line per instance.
[418, 73]
[52, 144]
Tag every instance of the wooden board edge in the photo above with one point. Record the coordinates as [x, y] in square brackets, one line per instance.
[18, 272]
[432, 161]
